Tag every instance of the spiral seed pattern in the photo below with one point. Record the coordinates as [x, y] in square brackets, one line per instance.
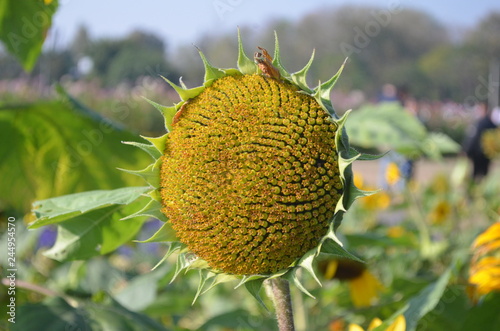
[249, 175]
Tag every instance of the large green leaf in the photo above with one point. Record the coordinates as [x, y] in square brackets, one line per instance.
[59, 147]
[59, 209]
[99, 231]
[24, 26]
[419, 305]
[55, 314]
[238, 320]
[485, 315]
[142, 290]
[388, 126]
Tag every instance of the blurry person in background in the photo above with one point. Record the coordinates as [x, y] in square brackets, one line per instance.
[472, 146]
[389, 93]
[405, 166]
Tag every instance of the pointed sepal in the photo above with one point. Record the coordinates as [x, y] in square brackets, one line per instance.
[277, 58]
[331, 245]
[168, 113]
[211, 73]
[150, 149]
[184, 93]
[325, 88]
[164, 234]
[151, 209]
[306, 262]
[254, 287]
[300, 77]
[219, 279]
[293, 277]
[158, 143]
[245, 64]
[183, 263]
[172, 247]
[150, 174]
[204, 276]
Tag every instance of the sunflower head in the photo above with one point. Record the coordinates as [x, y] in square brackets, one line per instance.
[254, 175]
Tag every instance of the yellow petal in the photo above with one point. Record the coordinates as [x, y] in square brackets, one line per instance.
[399, 324]
[331, 269]
[374, 323]
[355, 327]
[486, 262]
[364, 289]
[491, 234]
[358, 180]
[396, 231]
[392, 174]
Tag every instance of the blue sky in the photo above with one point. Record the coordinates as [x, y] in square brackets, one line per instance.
[184, 22]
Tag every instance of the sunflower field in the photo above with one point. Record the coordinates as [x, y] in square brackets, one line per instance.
[258, 207]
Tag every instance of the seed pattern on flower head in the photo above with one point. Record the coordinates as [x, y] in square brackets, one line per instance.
[249, 178]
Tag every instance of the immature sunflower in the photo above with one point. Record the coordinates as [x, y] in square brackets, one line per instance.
[254, 173]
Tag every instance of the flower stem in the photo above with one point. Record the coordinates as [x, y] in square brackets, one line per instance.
[282, 303]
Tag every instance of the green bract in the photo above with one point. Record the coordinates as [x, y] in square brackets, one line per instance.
[254, 175]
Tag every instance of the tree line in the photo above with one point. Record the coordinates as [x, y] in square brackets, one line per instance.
[404, 47]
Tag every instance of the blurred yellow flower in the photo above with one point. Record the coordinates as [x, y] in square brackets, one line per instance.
[364, 287]
[485, 276]
[358, 180]
[392, 174]
[490, 143]
[440, 184]
[47, 2]
[378, 201]
[440, 212]
[399, 324]
[396, 231]
[491, 235]
[484, 272]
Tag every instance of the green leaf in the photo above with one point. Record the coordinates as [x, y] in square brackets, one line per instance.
[237, 320]
[484, 316]
[62, 208]
[141, 291]
[96, 232]
[389, 126]
[59, 147]
[418, 306]
[55, 314]
[426, 300]
[24, 26]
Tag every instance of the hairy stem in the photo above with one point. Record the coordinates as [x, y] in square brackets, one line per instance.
[282, 303]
